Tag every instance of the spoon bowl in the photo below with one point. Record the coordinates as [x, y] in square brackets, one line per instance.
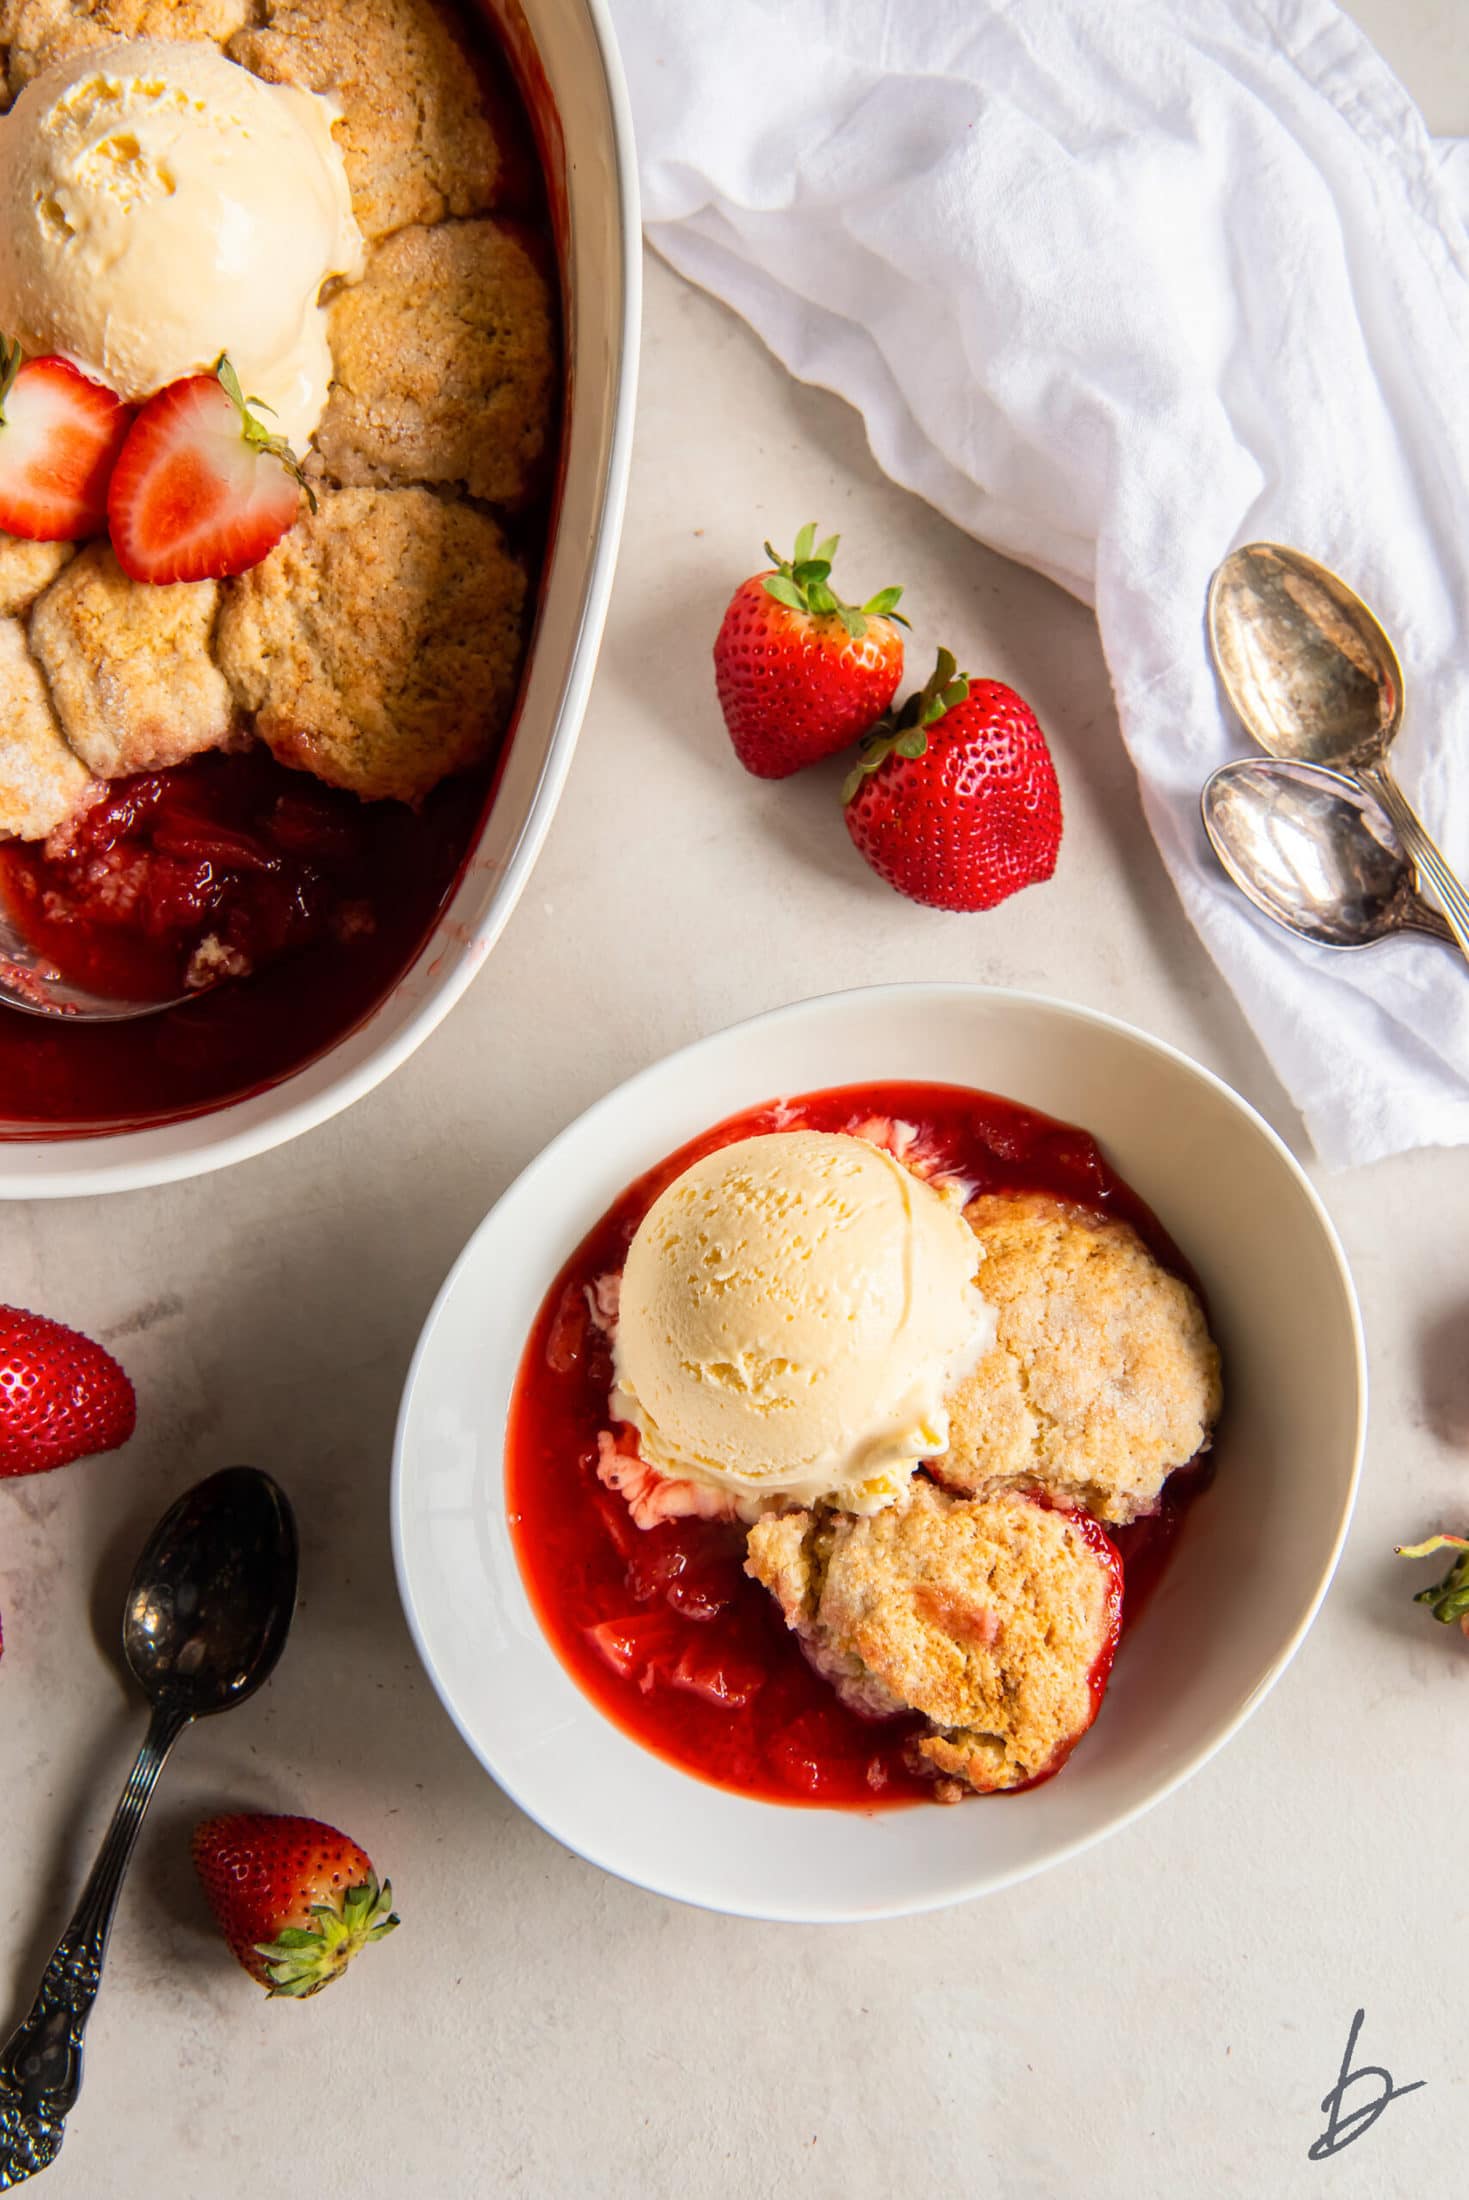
[1308, 668]
[210, 1602]
[1312, 849]
[37, 988]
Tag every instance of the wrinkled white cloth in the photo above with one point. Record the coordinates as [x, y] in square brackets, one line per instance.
[1116, 285]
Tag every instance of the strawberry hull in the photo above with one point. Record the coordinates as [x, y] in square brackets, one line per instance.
[965, 813]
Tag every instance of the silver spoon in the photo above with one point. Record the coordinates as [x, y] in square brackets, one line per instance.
[207, 1614]
[32, 984]
[1315, 679]
[1315, 851]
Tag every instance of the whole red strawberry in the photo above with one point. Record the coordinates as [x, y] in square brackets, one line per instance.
[801, 674]
[955, 803]
[294, 1898]
[61, 1396]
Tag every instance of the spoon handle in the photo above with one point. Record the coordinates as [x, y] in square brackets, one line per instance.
[1424, 851]
[41, 2062]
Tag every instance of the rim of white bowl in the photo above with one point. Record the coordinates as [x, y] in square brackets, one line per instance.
[1167, 1784]
[83, 1166]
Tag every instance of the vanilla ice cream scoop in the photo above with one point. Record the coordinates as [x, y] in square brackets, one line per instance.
[793, 1313]
[158, 206]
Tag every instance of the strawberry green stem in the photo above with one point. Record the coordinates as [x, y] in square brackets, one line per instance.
[304, 1958]
[1448, 1599]
[256, 433]
[906, 733]
[803, 582]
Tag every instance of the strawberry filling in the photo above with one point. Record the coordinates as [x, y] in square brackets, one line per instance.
[223, 866]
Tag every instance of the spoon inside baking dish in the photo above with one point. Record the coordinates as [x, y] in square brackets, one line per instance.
[35, 986]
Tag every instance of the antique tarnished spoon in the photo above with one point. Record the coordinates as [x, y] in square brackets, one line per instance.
[1315, 851]
[1314, 679]
[207, 1614]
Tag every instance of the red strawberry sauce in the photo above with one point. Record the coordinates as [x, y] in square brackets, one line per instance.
[660, 1626]
[328, 898]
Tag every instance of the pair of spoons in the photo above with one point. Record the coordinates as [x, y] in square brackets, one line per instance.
[206, 1617]
[1320, 837]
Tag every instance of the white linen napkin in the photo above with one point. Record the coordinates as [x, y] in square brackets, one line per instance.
[1116, 285]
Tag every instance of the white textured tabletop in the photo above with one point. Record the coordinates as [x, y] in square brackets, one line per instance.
[1161, 2017]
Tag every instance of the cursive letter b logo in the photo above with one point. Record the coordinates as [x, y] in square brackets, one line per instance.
[1342, 2129]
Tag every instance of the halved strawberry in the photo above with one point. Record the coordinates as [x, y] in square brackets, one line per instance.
[60, 434]
[202, 488]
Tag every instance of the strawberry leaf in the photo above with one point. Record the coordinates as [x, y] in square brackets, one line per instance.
[1447, 1599]
[912, 744]
[803, 582]
[255, 432]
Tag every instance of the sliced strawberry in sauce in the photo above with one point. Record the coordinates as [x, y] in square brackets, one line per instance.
[815, 1751]
[308, 825]
[723, 1679]
[1075, 1159]
[703, 1592]
[1007, 1133]
[618, 1521]
[176, 897]
[202, 840]
[635, 1645]
[656, 1564]
[568, 1338]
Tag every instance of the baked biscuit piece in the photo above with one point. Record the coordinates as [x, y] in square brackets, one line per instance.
[442, 361]
[41, 782]
[25, 569]
[379, 643]
[130, 669]
[1103, 1376]
[995, 1617]
[423, 131]
[38, 32]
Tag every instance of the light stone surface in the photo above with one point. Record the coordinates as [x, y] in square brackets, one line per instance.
[1161, 2017]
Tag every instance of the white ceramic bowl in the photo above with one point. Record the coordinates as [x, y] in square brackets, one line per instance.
[570, 75]
[1246, 1578]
